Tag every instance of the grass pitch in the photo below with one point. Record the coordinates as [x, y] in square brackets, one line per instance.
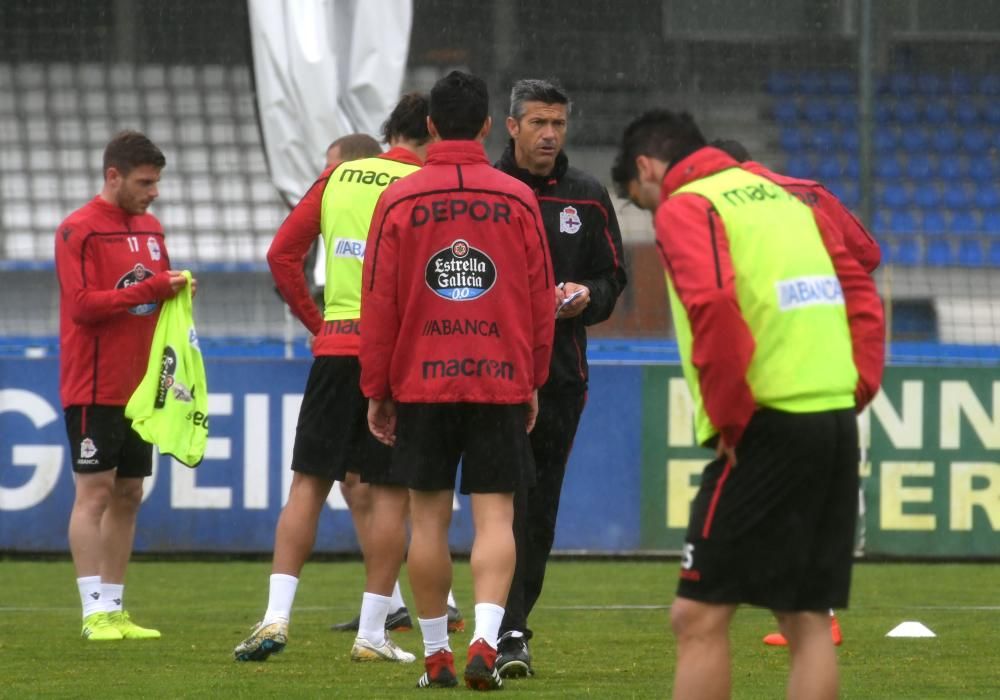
[602, 631]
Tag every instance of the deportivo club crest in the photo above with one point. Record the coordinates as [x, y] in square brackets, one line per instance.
[87, 448]
[154, 248]
[460, 272]
[569, 220]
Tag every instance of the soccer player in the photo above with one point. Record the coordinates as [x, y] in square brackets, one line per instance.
[457, 305]
[331, 437]
[781, 337]
[113, 272]
[351, 147]
[586, 247]
[859, 242]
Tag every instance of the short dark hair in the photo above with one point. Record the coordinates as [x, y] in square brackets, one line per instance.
[460, 104]
[408, 119]
[733, 148]
[532, 90]
[130, 149]
[354, 146]
[659, 133]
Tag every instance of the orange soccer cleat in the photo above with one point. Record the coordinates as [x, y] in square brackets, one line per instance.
[777, 639]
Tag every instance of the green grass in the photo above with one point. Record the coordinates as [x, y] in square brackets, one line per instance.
[205, 608]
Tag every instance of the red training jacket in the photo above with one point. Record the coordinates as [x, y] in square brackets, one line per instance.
[694, 247]
[457, 287]
[859, 242]
[288, 251]
[112, 268]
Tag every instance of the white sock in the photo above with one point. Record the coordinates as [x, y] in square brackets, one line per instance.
[488, 619]
[280, 598]
[374, 610]
[397, 599]
[112, 595]
[90, 595]
[451, 599]
[435, 633]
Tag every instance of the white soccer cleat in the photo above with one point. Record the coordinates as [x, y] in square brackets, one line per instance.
[363, 650]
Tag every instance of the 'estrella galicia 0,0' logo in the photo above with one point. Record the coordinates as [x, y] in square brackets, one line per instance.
[168, 365]
[460, 272]
[134, 276]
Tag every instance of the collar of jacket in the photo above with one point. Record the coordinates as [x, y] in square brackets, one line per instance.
[509, 165]
[402, 155]
[456, 152]
[694, 166]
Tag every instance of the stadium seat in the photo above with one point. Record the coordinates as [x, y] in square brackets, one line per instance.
[951, 167]
[982, 169]
[191, 132]
[845, 112]
[964, 223]
[987, 197]
[846, 191]
[187, 103]
[991, 222]
[970, 253]
[991, 113]
[152, 76]
[121, 76]
[232, 190]
[900, 84]
[905, 251]
[930, 84]
[213, 77]
[790, 139]
[955, 195]
[913, 139]
[919, 167]
[993, 256]
[823, 139]
[68, 132]
[903, 223]
[888, 168]
[850, 140]
[926, 196]
[780, 83]
[841, 83]
[816, 111]
[852, 166]
[799, 165]
[959, 83]
[989, 84]
[939, 253]
[945, 140]
[905, 112]
[829, 168]
[933, 223]
[12, 160]
[226, 159]
[936, 113]
[966, 113]
[884, 140]
[125, 103]
[785, 111]
[29, 76]
[894, 195]
[182, 77]
[78, 188]
[812, 83]
[975, 140]
[883, 113]
[13, 188]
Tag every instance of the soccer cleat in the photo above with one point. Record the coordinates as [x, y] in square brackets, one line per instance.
[439, 671]
[513, 656]
[777, 639]
[364, 650]
[98, 628]
[398, 621]
[481, 669]
[130, 630]
[263, 641]
[456, 623]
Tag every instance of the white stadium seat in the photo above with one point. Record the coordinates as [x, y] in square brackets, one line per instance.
[91, 76]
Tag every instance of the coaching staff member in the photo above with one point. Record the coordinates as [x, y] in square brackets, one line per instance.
[458, 316]
[113, 272]
[586, 246]
[781, 338]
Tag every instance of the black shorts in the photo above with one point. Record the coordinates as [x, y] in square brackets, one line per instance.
[332, 436]
[777, 530]
[489, 439]
[101, 438]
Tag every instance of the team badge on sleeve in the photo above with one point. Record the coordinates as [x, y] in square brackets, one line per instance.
[569, 220]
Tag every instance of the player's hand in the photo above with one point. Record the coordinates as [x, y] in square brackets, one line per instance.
[382, 420]
[577, 305]
[177, 280]
[532, 413]
[194, 286]
[723, 449]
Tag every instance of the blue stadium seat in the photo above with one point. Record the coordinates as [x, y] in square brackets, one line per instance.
[982, 168]
[884, 140]
[829, 168]
[786, 111]
[799, 165]
[987, 197]
[881, 223]
[959, 83]
[993, 257]
[939, 253]
[894, 195]
[823, 139]
[816, 111]
[905, 251]
[852, 167]
[883, 113]
[930, 84]
[905, 112]
[933, 223]
[966, 112]
[850, 140]
[888, 168]
[841, 83]
[920, 167]
[975, 140]
[970, 253]
[945, 140]
[964, 223]
[900, 84]
[791, 139]
[812, 83]
[903, 223]
[845, 111]
[846, 191]
[913, 139]
[955, 195]
[926, 196]
[991, 222]
[951, 167]
[989, 84]
[936, 112]
[780, 83]
[991, 113]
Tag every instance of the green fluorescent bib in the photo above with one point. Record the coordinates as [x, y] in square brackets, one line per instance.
[788, 294]
[169, 408]
[348, 204]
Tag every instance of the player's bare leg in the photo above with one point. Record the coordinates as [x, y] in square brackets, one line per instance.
[429, 559]
[702, 632]
[296, 532]
[358, 496]
[813, 672]
[118, 528]
[93, 494]
[493, 553]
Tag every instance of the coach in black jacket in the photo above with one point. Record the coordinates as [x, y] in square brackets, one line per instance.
[586, 247]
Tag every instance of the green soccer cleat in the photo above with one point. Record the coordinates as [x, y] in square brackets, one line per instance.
[97, 627]
[128, 629]
[263, 641]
